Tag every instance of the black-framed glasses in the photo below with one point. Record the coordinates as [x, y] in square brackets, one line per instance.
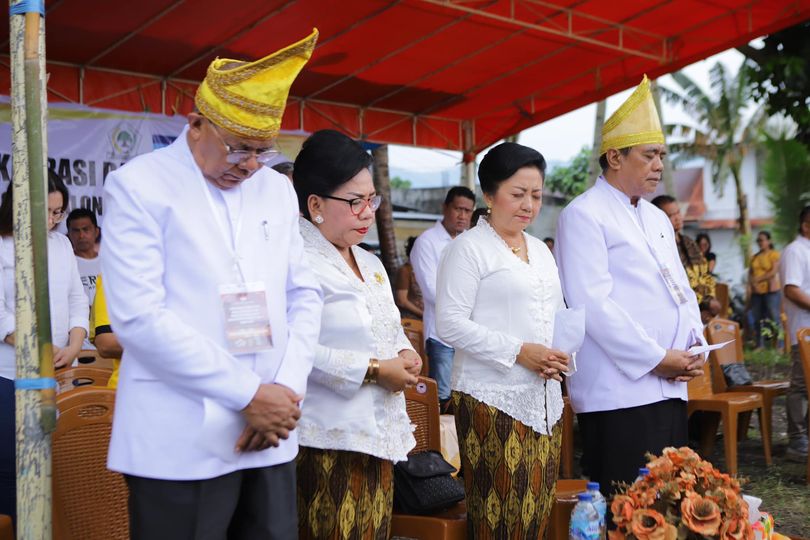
[359, 204]
[235, 157]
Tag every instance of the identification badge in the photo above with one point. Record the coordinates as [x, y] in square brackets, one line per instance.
[674, 289]
[247, 324]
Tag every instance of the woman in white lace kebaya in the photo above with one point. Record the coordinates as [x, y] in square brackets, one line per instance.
[354, 424]
[496, 297]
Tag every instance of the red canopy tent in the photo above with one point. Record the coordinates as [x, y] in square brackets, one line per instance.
[439, 73]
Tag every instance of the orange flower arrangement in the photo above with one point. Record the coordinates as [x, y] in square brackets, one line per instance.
[683, 497]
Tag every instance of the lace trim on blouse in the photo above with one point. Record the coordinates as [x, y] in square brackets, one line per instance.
[394, 437]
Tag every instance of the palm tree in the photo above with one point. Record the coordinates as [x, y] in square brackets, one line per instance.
[724, 133]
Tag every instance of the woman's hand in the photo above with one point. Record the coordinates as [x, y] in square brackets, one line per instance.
[548, 363]
[395, 375]
[9, 339]
[415, 361]
[65, 356]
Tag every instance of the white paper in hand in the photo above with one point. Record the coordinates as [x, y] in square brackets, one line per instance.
[569, 333]
[700, 349]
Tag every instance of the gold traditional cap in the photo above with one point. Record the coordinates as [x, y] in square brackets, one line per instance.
[635, 122]
[248, 98]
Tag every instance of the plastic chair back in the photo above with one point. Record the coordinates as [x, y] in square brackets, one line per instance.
[89, 501]
[701, 387]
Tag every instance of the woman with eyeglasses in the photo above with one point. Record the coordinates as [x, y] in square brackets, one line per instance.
[354, 423]
[69, 318]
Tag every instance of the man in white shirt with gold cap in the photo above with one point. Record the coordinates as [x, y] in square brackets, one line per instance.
[618, 259]
[217, 315]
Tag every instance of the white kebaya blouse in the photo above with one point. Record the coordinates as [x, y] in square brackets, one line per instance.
[360, 321]
[488, 303]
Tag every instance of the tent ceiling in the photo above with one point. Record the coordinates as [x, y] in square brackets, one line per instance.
[442, 73]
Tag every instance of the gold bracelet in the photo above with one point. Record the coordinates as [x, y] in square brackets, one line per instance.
[372, 372]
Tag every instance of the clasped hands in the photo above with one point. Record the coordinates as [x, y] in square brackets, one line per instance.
[679, 366]
[274, 411]
[402, 371]
[547, 363]
[271, 415]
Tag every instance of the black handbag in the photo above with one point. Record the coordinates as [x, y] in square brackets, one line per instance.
[736, 375]
[423, 485]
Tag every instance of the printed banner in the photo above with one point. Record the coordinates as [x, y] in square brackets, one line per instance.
[85, 144]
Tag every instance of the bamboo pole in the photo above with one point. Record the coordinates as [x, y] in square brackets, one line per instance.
[35, 395]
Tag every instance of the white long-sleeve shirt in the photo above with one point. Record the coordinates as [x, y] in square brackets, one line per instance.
[425, 256]
[360, 321]
[608, 266]
[795, 270]
[170, 244]
[489, 302]
[68, 302]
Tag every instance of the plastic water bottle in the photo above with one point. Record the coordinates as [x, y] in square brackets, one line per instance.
[584, 520]
[642, 472]
[600, 504]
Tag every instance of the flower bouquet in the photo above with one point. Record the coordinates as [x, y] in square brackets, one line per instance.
[685, 498]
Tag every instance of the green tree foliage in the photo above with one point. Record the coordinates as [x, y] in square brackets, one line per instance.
[400, 183]
[724, 133]
[786, 175]
[572, 179]
[780, 75]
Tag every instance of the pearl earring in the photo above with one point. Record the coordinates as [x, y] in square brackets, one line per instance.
[318, 219]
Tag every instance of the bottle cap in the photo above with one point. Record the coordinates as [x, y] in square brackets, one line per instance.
[585, 497]
[593, 486]
[644, 471]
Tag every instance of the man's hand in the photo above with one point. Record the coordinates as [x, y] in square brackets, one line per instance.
[252, 441]
[413, 363]
[273, 412]
[679, 366]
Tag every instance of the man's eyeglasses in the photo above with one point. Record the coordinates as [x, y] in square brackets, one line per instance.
[359, 204]
[57, 215]
[236, 157]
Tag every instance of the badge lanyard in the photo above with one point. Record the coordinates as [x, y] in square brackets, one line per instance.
[666, 274]
[230, 236]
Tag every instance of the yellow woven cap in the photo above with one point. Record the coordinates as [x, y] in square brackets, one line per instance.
[635, 122]
[248, 98]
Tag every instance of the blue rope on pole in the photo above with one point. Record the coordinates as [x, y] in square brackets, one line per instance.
[37, 383]
[28, 6]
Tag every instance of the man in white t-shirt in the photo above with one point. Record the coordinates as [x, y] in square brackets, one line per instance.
[795, 273]
[425, 255]
[83, 232]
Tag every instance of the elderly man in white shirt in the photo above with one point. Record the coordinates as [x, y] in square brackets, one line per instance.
[618, 259]
[795, 275]
[217, 314]
[425, 256]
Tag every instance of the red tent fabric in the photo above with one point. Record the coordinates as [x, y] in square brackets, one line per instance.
[455, 74]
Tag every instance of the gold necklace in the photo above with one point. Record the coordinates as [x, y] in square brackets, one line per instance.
[515, 250]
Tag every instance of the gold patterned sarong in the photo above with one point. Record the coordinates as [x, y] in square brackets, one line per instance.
[343, 495]
[510, 472]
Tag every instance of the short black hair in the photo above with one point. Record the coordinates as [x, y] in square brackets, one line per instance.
[327, 160]
[603, 158]
[79, 213]
[503, 161]
[478, 214]
[661, 200]
[804, 215]
[55, 185]
[548, 239]
[458, 191]
[409, 245]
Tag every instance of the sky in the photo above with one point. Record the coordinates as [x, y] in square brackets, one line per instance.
[561, 138]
